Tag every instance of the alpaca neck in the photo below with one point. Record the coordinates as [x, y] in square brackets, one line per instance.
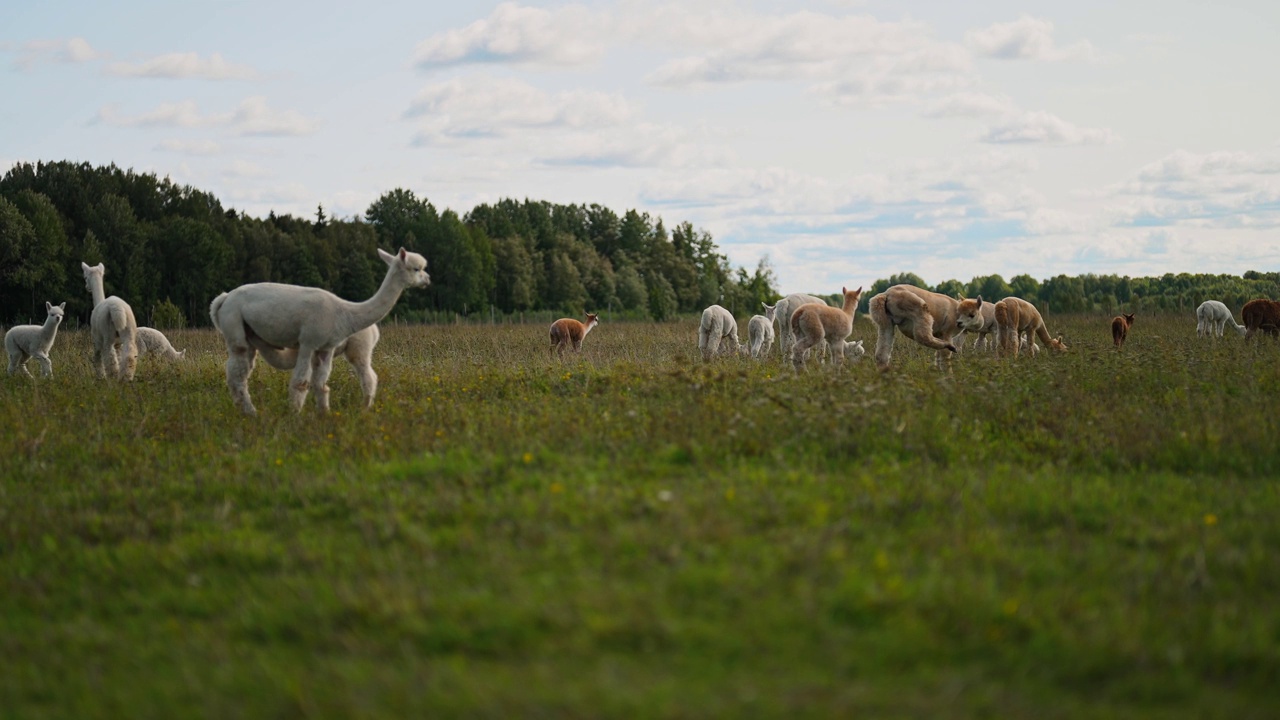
[587, 328]
[50, 326]
[363, 314]
[850, 305]
[95, 288]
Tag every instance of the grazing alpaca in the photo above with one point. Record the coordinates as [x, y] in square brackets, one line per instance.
[812, 323]
[977, 317]
[1120, 325]
[357, 349]
[783, 311]
[1016, 316]
[1261, 314]
[567, 331]
[927, 317]
[310, 320]
[114, 329]
[760, 332]
[1212, 318]
[151, 340]
[24, 342]
[717, 326]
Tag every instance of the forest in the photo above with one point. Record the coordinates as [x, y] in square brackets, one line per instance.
[505, 258]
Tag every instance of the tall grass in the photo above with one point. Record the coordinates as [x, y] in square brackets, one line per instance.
[633, 532]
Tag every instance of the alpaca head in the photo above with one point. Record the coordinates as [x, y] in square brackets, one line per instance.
[90, 273]
[55, 312]
[969, 313]
[854, 350]
[851, 296]
[1057, 344]
[411, 266]
[1128, 319]
[769, 310]
[592, 320]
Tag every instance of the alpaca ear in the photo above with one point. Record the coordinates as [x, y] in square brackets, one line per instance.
[979, 301]
[387, 257]
[84, 266]
[48, 306]
[62, 306]
[403, 254]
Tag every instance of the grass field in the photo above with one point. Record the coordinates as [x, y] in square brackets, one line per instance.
[634, 533]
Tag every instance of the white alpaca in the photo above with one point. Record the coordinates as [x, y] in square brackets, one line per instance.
[977, 317]
[1212, 318]
[152, 341]
[312, 321]
[114, 329]
[760, 333]
[717, 327]
[357, 349]
[783, 311]
[24, 342]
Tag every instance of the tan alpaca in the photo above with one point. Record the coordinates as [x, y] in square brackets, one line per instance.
[977, 317]
[927, 317]
[812, 323]
[1016, 316]
[1120, 325]
[567, 332]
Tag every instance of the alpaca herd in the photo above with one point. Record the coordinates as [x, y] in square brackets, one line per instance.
[301, 329]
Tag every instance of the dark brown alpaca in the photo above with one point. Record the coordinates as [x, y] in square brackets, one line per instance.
[1261, 314]
[1120, 325]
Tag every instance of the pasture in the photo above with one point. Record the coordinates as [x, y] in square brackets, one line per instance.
[635, 533]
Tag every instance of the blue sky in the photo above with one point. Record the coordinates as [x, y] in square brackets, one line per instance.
[845, 140]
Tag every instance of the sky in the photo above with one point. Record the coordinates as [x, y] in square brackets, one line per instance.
[845, 141]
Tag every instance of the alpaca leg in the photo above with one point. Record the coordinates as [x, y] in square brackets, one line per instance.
[368, 383]
[98, 357]
[884, 332]
[240, 361]
[128, 360]
[300, 383]
[322, 366]
[18, 363]
[798, 350]
[46, 365]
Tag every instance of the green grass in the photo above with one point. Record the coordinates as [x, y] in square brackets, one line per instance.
[634, 533]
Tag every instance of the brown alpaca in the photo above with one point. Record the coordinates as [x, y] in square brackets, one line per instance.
[811, 323]
[567, 331]
[927, 317]
[1120, 325]
[1015, 316]
[1261, 314]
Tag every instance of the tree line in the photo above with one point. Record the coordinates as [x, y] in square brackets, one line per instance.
[1108, 294]
[170, 248]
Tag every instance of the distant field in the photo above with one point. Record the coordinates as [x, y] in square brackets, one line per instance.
[634, 533]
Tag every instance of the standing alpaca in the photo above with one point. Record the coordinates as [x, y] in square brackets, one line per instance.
[1212, 318]
[1120, 325]
[717, 326]
[813, 322]
[1260, 314]
[927, 317]
[567, 332]
[1015, 317]
[357, 349]
[312, 320]
[24, 342]
[114, 329]
[782, 312]
[979, 318]
[760, 332]
[151, 340]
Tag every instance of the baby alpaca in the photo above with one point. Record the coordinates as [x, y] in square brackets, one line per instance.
[24, 342]
[357, 349]
[567, 332]
[1015, 317]
[1212, 318]
[114, 329]
[813, 322]
[717, 326]
[760, 332]
[979, 318]
[1120, 325]
[151, 340]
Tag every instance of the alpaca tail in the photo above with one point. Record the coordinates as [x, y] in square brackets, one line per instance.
[214, 307]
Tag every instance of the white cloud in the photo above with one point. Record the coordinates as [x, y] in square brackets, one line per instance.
[245, 169]
[568, 35]
[970, 104]
[482, 106]
[190, 147]
[252, 117]
[71, 50]
[184, 65]
[1026, 38]
[1044, 128]
[641, 145]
